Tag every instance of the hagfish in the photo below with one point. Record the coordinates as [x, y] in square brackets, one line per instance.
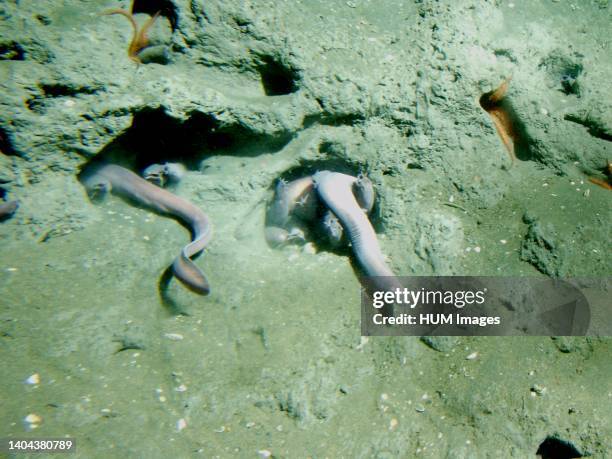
[295, 198]
[125, 183]
[7, 209]
[336, 190]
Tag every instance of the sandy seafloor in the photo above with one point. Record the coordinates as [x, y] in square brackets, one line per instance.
[271, 363]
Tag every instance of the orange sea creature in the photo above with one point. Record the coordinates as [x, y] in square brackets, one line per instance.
[492, 103]
[604, 183]
[140, 39]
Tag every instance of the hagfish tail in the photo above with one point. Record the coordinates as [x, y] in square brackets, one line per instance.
[127, 184]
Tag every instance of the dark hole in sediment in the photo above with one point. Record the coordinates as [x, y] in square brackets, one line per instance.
[329, 118]
[555, 448]
[6, 146]
[44, 20]
[64, 90]
[277, 79]
[11, 51]
[156, 138]
[150, 7]
[328, 163]
[315, 232]
[564, 70]
[569, 79]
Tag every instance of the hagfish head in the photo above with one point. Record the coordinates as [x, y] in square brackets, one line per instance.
[155, 174]
[164, 174]
[276, 236]
[363, 189]
[332, 228]
[174, 172]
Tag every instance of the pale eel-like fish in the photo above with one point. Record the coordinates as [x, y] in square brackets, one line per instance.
[123, 182]
[7, 209]
[336, 190]
[291, 198]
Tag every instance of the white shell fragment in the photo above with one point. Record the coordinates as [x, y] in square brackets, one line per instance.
[32, 421]
[34, 379]
[472, 356]
[181, 424]
[537, 389]
[173, 336]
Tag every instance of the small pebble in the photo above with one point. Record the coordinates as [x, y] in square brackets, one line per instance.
[310, 248]
[503, 241]
[264, 453]
[33, 418]
[362, 342]
[173, 336]
[181, 388]
[34, 379]
[32, 421]
[180, 424]
[537, 389]
[393, 424]
[477, 249]
[472, 356]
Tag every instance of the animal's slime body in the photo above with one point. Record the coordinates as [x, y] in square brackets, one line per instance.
[336, 190]
[125, 183]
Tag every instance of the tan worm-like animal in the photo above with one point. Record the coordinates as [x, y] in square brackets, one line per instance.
[125, 183]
